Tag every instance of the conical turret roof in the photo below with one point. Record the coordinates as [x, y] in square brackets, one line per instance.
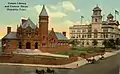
[43, 12]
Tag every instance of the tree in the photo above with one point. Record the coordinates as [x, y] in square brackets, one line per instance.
[117, 43]
[110, 43]
[94, 42]
[105, 43]
[73, 43]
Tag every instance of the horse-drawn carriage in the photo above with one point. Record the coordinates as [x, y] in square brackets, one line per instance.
[48, 70]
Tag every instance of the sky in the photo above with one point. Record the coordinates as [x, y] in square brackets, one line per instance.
[62, 13]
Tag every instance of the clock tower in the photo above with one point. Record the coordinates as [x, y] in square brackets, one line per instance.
[96, 19]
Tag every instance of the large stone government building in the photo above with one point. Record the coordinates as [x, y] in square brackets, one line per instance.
[30, 36]
[98, 29]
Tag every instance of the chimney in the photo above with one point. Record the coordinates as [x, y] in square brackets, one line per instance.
[8, 30]
[64, 33]
[52, 29]
[23, 21]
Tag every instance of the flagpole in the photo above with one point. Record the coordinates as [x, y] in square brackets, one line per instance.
[115, 15]
[81, 20]
[116, 12]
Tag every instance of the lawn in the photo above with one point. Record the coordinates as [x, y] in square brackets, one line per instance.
[78, 50]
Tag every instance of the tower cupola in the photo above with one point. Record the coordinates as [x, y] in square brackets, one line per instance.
[110, 17]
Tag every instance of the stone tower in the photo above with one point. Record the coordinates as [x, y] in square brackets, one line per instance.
[43, 27]
[96, 19]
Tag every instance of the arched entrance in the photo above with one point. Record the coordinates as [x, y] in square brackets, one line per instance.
[20, 45]
[36, 45]
[28, 45]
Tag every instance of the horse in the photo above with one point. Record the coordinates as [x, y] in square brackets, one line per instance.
[50, 71]
[91, 61]
[101, 58]
[40, 71]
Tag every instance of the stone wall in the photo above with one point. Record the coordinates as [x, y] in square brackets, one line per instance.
[23, 59]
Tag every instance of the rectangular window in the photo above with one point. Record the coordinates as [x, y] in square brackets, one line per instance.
[82, 36]
[95, 35]
[106, 35]
[85, 36]
[79, 36]
[89, 35]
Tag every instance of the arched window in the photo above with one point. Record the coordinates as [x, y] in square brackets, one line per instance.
[28, 45]
[83, 43]
[95, 33]
[87, 43]
[96, 20]
[20, 45]
[36, 45]
[95, 30]
[43, 37]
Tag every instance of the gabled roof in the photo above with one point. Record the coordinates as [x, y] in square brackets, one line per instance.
[11, 35]
[28, 23]
[59, 35]
[43, 12]
[110, 23]
[110, 16]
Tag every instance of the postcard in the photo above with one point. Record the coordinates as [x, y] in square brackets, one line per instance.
[59, 37]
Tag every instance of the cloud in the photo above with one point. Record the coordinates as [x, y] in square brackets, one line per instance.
[61, 26]
[69, 6]
[38, 8]
[68, 23]
[53, 7]
[57, 14]
[53, 14]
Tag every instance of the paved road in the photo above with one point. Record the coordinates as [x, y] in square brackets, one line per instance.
[107, 66]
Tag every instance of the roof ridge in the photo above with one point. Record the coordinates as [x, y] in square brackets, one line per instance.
[29, 23]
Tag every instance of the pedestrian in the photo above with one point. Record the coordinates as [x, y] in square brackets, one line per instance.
[77, 65]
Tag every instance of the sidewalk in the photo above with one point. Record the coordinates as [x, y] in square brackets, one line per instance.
[76, 64]
[38, 52]
[81, 62]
